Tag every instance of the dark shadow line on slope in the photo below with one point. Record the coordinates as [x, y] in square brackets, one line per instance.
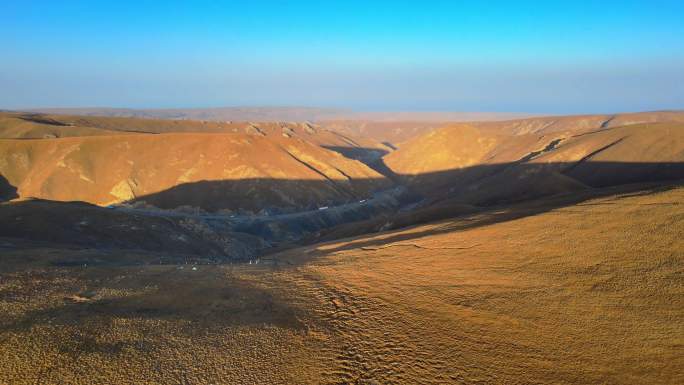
[7, 190]
[444, 194]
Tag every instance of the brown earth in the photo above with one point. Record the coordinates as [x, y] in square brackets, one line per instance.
[35, 126]
[373, 128]
[575, 124]
[398, 131]
[82, 226]
[544, 250]
[476, 165]
[44, 126]
[393, 133]
[254, 171]
[512, 302]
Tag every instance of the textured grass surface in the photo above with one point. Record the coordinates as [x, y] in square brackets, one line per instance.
[590, 293]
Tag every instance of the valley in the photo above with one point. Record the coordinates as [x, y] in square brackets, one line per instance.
[341, 192]
[535, 250]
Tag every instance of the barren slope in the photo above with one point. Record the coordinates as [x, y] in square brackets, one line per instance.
[576, 124]
[480, 165]
[40, 126]
[33, 126]
[398, 131]
[114, 233]
[588, 293]
[212, 171]
[393, 133]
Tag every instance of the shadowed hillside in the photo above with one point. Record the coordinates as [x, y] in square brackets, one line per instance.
[250, 229]
[114, 169]
[464, 163]
[7, 191]
[475, 165]
[506, 255]
[80, 226]
[589, 292]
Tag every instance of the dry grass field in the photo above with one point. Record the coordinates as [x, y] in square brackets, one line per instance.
[588, 293]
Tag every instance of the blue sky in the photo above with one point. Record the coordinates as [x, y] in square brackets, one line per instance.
[527, 56]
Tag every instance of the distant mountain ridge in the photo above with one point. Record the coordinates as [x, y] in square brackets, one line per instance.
[280, 114]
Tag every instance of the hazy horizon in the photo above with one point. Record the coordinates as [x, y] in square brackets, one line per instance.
[529, 57]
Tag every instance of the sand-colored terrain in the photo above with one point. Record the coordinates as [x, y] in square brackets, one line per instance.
[475, 165]
[34, 126]
[542, 250]
[367, 129]
[213, 171]
[16, 125]
[107, 160]
[400, 128]
[585, 293]
[251, 166]
[394, 133]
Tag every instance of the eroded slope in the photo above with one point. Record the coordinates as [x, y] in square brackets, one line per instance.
[482, 166]
[212, 171]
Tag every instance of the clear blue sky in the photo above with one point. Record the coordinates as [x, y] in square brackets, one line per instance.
[528, 56]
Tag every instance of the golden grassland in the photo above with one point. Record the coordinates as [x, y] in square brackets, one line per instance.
[588, 293]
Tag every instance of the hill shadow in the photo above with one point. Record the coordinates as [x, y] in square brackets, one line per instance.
[449, 219]
[208, 297]
[42, 119]
[486, 185]
[429, 196]
[362, 154]
[7, 191]
[481, 185]
[292, 212]
[371, 157]
[270, 195]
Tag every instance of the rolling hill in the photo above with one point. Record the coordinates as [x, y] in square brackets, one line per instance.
[45, 126]
[211, 171]
[37, 126]
[543, 250]
[589, 292]
[480, 164]
[397, 131]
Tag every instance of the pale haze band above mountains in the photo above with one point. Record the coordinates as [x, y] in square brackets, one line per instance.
[270, 114]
